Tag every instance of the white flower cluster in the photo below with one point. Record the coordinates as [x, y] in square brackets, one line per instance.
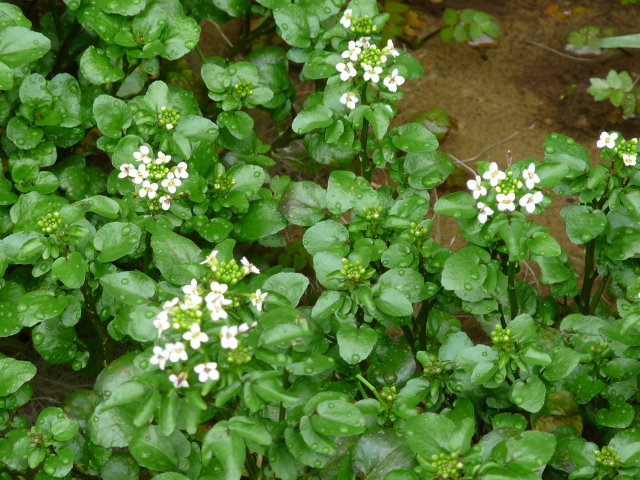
[151, 174]
[626, 149]
[505, 187]
[194, 320]
[364, 59]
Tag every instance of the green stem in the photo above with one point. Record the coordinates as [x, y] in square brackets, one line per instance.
[56, 19]
[511, 289]
[410, 338]
[421, 320]
[370, 387]
[598, 295]
[105, 339]
[590, 274]
[365, 162]
[62, 56]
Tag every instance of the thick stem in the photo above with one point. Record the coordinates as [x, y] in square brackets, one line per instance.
[590, 274]
[105, 339]
[511, 289]
[265, 27]
[365, 162]
[410, 338]
[598, 295]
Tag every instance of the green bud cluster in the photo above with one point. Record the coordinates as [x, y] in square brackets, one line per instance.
[37, 438]
[447, 466]
[598, 351]
[389, 394]
[243, 89]
[353, 272]
[222, 183]
[239, 356]
[154, 205]
[607, 457]
[363, 26]
[371, 55]
[509, 184]
[630, 147]
[372, 213]
[434, 367]
[50, 223]
[227, 272]
[168, 116]
[502, 339]
[157, 172]
[183, 319]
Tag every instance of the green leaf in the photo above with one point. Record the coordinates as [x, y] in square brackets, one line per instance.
[463, 271]
[560, 149]
[70, 270]
[287, 284]
[6, 77]
[541, 243]
[60, 464]
[583, 223]
[429, 434]
[564, 361]
[295, 26]
[239, 124]
[122, 7]
[97, 68]
[394, 303]
[317, 116]
[529, 395]
[132, 288]
[112, 115]
[115, 240]
[227, 446]
[459, 205]
[13, 374]
[157, 452]
[303, 203]
[618, 416]
[19, 46]
[23, 135]
[215, 77]
[413, 137]
[355, 344]
[177, 257]
[338, 418]
[327, 236]
[428, 169]
[262, 219]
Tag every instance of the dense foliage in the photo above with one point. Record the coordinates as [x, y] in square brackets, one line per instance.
[239, 323]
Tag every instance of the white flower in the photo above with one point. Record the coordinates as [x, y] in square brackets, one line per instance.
[165, 202]
[257, 299]
[243, 327]
[372, 73]
[346, 18]
[149, 190]
[169, 126]
[170, 182]
[248, 266]
[180, 170]
[390, 49]
[530, 200]
[484, 212]
[170, 303]
[352, 52]
[494, 174]
[217, 311]
[216, 298]
[176, 351]
[347, 71]
[207, 371]
[216, 287]
[477, 188]
[607, 140]
[191, 287]
[393, 81]
[211, 256]
[506, 202]
[349, 99]
[138, 176]
[160, 357]
[228, 337]
[180, 380]
[142, 155]
[161, 322]
[363, 42]
[126, 170]
[195, 336]
[191, 301]
[162, 158]
[629, 159]
[530, 176]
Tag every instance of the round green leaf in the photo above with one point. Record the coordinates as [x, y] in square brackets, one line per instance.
[112, 115]
[132, 288]
[13, 373]
[115, 240]
[355, 343]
